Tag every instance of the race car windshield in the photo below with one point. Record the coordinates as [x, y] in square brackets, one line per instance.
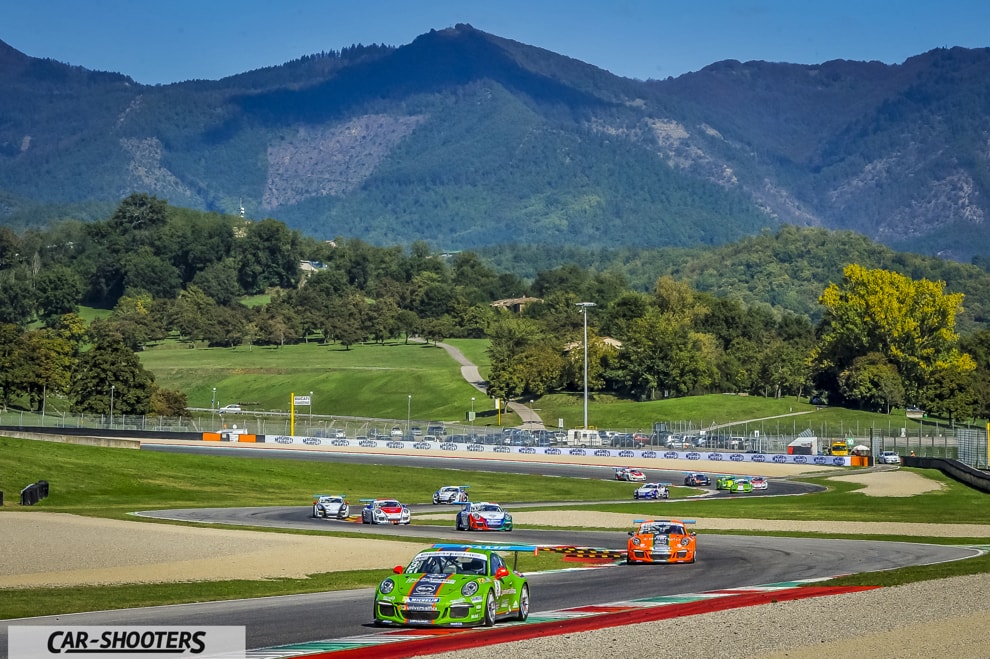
[388, 504]
[449, 563]
[489, 508]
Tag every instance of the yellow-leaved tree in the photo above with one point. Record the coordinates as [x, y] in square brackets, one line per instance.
[888, 317]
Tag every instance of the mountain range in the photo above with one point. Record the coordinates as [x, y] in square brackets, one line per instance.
[466, 140]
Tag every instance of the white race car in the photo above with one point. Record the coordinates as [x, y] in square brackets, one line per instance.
[759, 482]
[652, 491]
[330, 505]
[629, 474]
[384, 511]
[451, 494]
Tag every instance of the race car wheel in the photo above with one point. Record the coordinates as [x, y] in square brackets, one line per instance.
[490, 610]
[523, 603]
[694, 556]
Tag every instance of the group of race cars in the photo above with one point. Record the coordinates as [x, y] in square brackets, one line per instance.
[473, 516]
[457, 585]
[462, 585]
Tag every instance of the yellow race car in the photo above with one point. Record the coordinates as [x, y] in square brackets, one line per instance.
[662, 541]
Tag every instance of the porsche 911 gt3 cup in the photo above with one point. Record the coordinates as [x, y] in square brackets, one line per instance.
[662, 541]
[629, 474]
[652, 491]
[760, 482]
[384, 511]
[483, 516]
[330, 505]
[453, 586]
[694, 478]
[451, 494]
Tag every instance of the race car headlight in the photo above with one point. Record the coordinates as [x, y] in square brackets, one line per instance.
[636, 542]
[386, 587]
[469, 589]
[685, 542]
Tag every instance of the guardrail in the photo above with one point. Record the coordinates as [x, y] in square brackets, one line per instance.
[958, 471]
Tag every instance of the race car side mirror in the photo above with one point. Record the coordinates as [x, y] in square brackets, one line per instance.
[631, 533]
[501, 572]
[397, 569]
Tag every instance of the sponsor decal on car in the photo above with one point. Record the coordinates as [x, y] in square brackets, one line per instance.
[551, 451]
[368, 443]
[693, 456]
[577, 451]
[603, 453]
[422, 446]
[395, 445]
[312, 441]
[529, 450]
[476, 448]
[627, 454]
[779, 459]
[283, 440]
[759, 457]
[448, 446]
[737, 457]
[341, 442]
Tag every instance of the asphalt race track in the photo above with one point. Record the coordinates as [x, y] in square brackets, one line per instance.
[724, 561]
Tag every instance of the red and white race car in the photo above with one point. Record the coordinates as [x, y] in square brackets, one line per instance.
[759, 482]
[629, 474]
[384, 511]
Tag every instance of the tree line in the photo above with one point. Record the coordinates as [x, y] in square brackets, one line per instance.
[882, 341]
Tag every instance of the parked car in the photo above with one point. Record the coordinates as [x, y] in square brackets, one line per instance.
[396, 431]
[233, 408]
[888, 458]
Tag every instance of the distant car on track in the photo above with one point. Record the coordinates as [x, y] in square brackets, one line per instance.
[629, 474]
[652, 491]
[384, 511]
[451, 494]
[483, 516]
[694, 479]
[330, 505]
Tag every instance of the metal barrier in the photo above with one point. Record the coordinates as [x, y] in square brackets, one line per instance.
[33, 493]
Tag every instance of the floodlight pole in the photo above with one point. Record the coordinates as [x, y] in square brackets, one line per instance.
[584, 308]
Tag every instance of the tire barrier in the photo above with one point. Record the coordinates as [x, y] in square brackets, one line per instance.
[33, 493]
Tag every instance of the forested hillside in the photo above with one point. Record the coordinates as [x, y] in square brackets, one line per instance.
[467, 140]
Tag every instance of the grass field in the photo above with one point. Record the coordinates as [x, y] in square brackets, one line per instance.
[375, 380]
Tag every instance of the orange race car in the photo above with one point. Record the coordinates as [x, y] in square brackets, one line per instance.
[662, 541]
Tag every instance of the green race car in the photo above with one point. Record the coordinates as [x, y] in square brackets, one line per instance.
[453, 586]
[724, 482]
[741, 485]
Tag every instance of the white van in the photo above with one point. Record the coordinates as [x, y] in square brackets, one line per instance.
[583, 437]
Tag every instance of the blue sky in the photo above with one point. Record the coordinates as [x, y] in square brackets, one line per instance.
[163, 41]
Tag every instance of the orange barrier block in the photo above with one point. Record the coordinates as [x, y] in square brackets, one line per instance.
[211, 437]
[247, 438]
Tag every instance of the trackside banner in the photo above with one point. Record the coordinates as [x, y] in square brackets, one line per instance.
[99, 642]
[470, 450]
